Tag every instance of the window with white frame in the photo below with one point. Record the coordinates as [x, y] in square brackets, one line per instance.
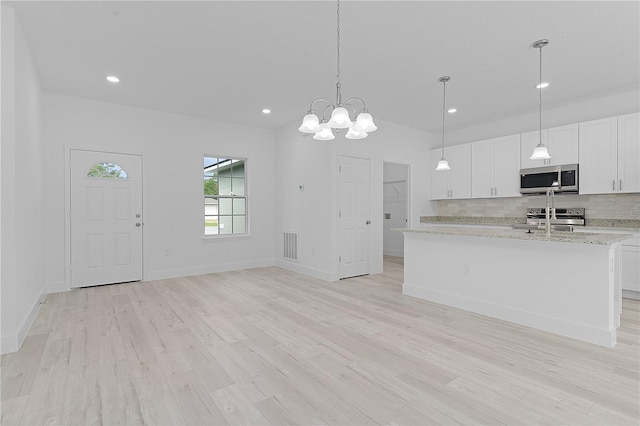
[225, 195]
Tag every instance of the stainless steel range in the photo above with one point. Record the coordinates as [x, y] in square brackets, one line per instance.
[571, 216]
[564, 219]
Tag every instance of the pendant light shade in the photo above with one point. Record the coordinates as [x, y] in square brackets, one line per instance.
[340, 118]
[325, 133]
[540, 152]
[443, 164]
[310, 123]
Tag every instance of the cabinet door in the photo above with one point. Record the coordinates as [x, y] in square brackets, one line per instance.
[528, 142]
[563, 145]
[598, 156]
[439, 179]
[507, 166]
[482, 178]
[629, 153]
[630, 270]
[459, 157]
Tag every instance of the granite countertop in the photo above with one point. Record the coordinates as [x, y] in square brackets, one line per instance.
[519, 234]
[609, 224]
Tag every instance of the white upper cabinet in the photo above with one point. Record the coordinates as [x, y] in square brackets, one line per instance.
[629, 153]
[562, 143]
[495, 167]
[454, 183]
[599, 156]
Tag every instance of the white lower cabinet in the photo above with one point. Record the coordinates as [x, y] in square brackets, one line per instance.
[495, 167]
[454, 183]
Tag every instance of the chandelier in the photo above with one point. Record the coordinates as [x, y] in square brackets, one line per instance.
[341, 112]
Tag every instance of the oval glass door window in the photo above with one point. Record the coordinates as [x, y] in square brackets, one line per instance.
[107, 171]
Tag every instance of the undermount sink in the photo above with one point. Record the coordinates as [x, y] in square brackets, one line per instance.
[536, 227]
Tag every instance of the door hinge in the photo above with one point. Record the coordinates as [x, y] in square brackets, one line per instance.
[340, 169]
[339, 213]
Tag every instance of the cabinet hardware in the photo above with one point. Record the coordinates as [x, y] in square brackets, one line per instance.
[620, 185]
[495, 191]
[613, 185]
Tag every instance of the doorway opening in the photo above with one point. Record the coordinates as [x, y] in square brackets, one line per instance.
[395, 201]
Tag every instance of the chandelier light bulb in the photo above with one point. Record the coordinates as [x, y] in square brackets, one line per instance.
[354, 134]
[325, 133]
[310, 124]
[340, 118]
[364, 123]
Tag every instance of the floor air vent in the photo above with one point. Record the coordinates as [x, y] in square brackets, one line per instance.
[291, 245]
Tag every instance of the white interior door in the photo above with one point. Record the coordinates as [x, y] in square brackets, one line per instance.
[355, 218]
[106, 218]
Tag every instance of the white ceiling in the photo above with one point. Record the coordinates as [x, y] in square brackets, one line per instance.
[228, 60]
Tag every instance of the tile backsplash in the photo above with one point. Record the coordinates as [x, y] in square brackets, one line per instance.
[614, 206]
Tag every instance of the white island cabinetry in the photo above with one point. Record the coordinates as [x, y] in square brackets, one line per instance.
[568, 284]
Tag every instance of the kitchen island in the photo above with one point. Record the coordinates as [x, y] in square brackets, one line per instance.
[567, 284]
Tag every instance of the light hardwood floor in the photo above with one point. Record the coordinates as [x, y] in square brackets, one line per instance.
[268, 346]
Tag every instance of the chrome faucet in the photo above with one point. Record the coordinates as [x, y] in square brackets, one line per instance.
[547, 220]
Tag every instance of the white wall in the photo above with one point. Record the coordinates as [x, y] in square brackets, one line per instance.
[582, 110]
[22, 277]
[394, 193]
[172, 147]
[313, 212]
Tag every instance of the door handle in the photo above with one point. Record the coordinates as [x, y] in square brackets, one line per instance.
[138, 215]
[368, 222]
[138, 224]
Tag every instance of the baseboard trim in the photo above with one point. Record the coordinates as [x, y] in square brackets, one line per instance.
[554, 325]
[13, 342]
[305, 270]
[631, 294]
[391, 252]
[163, 274]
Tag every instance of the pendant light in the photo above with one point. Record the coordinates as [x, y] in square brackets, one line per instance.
[340, 117]
[540, 152]
[443, 164]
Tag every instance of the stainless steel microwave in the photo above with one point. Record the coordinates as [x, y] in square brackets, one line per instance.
[537, 180]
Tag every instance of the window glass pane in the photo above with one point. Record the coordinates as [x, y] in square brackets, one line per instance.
[226, 225]
[238, 206]
[225, 206]
[224, 185]
[210, 186]
[239, 224]
[107, 171]
[238, 169]
[237, 186]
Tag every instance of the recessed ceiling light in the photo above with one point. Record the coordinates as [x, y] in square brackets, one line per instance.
[266, 111]
[113, 79]
[451, 110]
[542, 85]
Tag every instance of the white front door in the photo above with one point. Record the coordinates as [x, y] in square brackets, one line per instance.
[106, 218]
[355, 219]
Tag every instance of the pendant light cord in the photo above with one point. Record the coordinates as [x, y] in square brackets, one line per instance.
[338, 84]
[444, 95]
[540, 96]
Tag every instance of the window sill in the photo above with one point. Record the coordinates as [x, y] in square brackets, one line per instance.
[225, 237]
